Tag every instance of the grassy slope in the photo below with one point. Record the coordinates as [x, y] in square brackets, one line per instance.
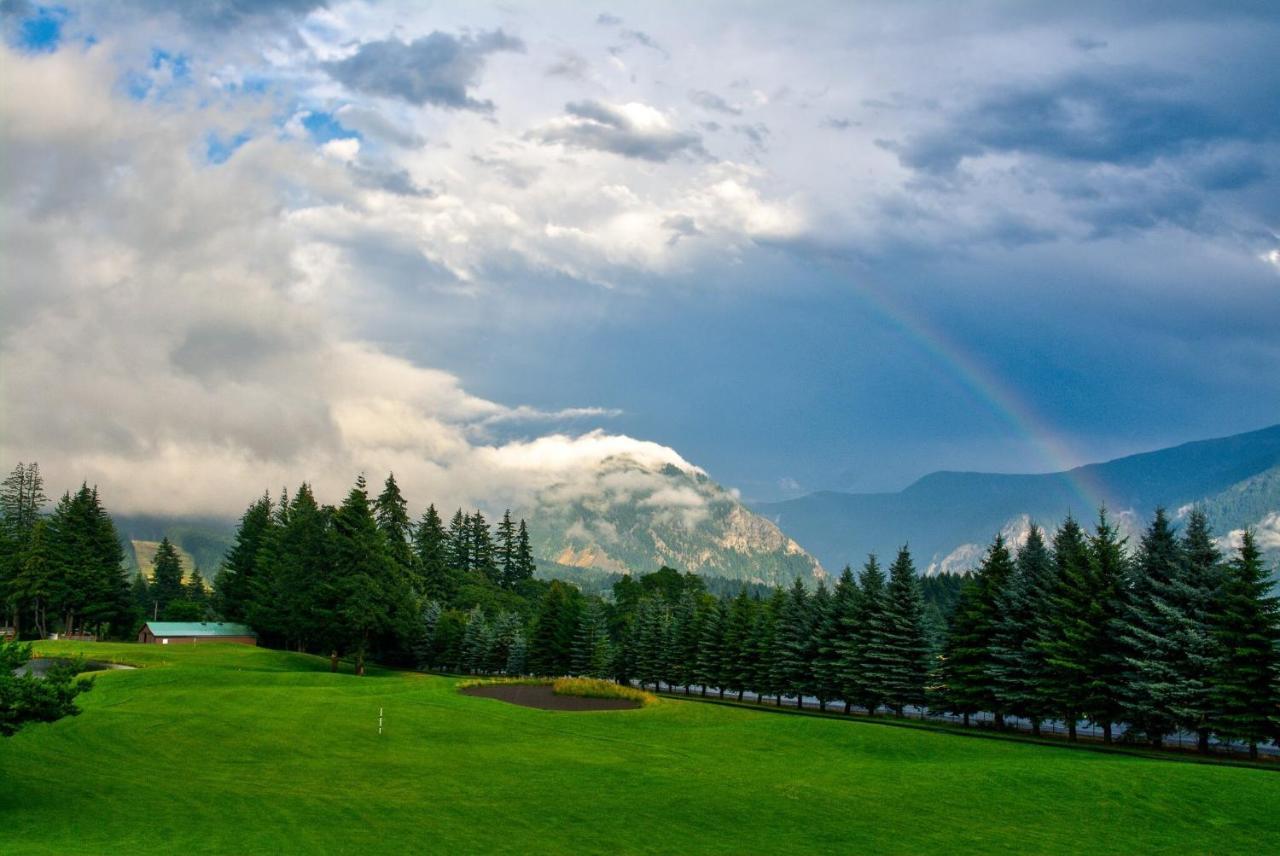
[219, 749]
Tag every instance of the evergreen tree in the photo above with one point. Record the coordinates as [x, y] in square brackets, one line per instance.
[363, 585]
[508, 551]
[234, 583]
[708, 670]
[481, 552]
[686, 634]
[1023, 609]
[195, 588]
[1067, 637]
[735, 671]
[818, 679]
[517, 654]
[166, 576]
[475, 642]
[835, 643]
[1155, 689]
[524, 566]
[22, 498]
[906, 666]
[551, 641]
[761, 647]
[1105, 653]
[460, 543]
[1246, 687]
[789, 655]
[424, 645]
[431, 547]
[1198, 589]
[392, 513]
[863, 675]
[591, 654]
[971, 665]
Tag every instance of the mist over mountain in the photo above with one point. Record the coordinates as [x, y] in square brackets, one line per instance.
[949, 517]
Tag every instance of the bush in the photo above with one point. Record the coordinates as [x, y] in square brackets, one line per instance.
[596, 688]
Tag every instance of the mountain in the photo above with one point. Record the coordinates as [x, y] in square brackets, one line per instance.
[624, 516]
[949, 517]
[630, 517]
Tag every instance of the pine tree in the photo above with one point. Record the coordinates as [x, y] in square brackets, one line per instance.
[1199, 589]
[970, 654]
[364, 592]
[790, 651]
[482, 555]
[431, 548]
[761, 647]
[906, 665]
[686, 635]
[517, 655]
[22, 498]
[863, 672]
[551, 641]
[424, 642]
[834, 641]
[1154, 632]
[1105, 653]
[195, 589]
[707, 671]
[1023, 609]
[1246, 687]
[1067, 636]
[508, 551]
[524, 567]
[392, 513]
[593, 633]
[460, 543]
[475, 642]
[735, 665]
[234, 583]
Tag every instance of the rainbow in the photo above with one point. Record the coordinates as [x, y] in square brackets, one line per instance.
[985, 385]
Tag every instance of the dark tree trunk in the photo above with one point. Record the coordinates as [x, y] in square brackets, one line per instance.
[1035, 728]
[1253, 750]
[799, 701]
[999, 721]
[1106, 732]
[1202, 742]
[822, 705]
[1071, 728]
[966, 719]
[333, 661]
[847, 706]
[740, 694]
[777, 701]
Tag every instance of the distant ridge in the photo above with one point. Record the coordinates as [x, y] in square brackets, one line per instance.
[947, 517]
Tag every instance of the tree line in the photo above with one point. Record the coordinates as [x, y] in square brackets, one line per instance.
[1169, 637]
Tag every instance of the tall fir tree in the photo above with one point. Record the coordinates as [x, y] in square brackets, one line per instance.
[735, 673]
[234, 583]
[1155, 627]
[431, 548]
[1023, 609]
[507, 551]
[524, 566]
[482, 554]
[1066, 638]
[707, 672]
[1246, 686]
[863, 676]
[592, 654]
[554, 628]
[1105, 652]
[459, 542]
[971, 656]
[365, 597]
[392, 514]
[834, 642]
[906, 666]
[790, 653]
[22, 500]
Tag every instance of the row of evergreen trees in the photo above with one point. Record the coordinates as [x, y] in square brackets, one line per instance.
[1169, 637]
[352, 579]
[59, 569]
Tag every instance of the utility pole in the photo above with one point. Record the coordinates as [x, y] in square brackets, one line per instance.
[379, 722]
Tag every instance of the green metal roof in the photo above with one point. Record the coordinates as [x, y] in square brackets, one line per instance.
[199, 628]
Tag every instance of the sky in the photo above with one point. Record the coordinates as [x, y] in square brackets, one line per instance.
[819, 246]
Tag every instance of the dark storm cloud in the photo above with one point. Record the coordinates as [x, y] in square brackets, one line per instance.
[436, 69]
[230, 14]
[1122, 119]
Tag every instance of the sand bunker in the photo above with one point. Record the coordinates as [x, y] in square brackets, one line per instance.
[542, 697]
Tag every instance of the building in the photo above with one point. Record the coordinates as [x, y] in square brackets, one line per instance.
[193, 632]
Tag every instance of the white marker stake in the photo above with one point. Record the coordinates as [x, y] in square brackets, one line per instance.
[379, 721]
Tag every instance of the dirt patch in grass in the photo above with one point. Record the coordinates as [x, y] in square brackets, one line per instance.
[545, 698]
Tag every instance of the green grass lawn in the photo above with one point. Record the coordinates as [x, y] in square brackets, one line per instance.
[230, 749]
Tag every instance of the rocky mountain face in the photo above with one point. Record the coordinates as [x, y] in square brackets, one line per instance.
[949, 518]
[630, 518]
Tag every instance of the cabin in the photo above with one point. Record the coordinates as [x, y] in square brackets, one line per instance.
[194, 632]
[8, 634]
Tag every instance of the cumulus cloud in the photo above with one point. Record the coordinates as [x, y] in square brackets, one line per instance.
[169, 350]
[710, 101]
[633, 130]
[438, 69]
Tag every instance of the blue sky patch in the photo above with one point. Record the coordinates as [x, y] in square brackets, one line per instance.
[41, 31]
[324, 127]
[219, 148]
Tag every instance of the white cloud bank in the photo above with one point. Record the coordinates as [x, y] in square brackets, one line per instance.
[167, 337]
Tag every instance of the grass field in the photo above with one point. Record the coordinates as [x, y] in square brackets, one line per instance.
[230, 749]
